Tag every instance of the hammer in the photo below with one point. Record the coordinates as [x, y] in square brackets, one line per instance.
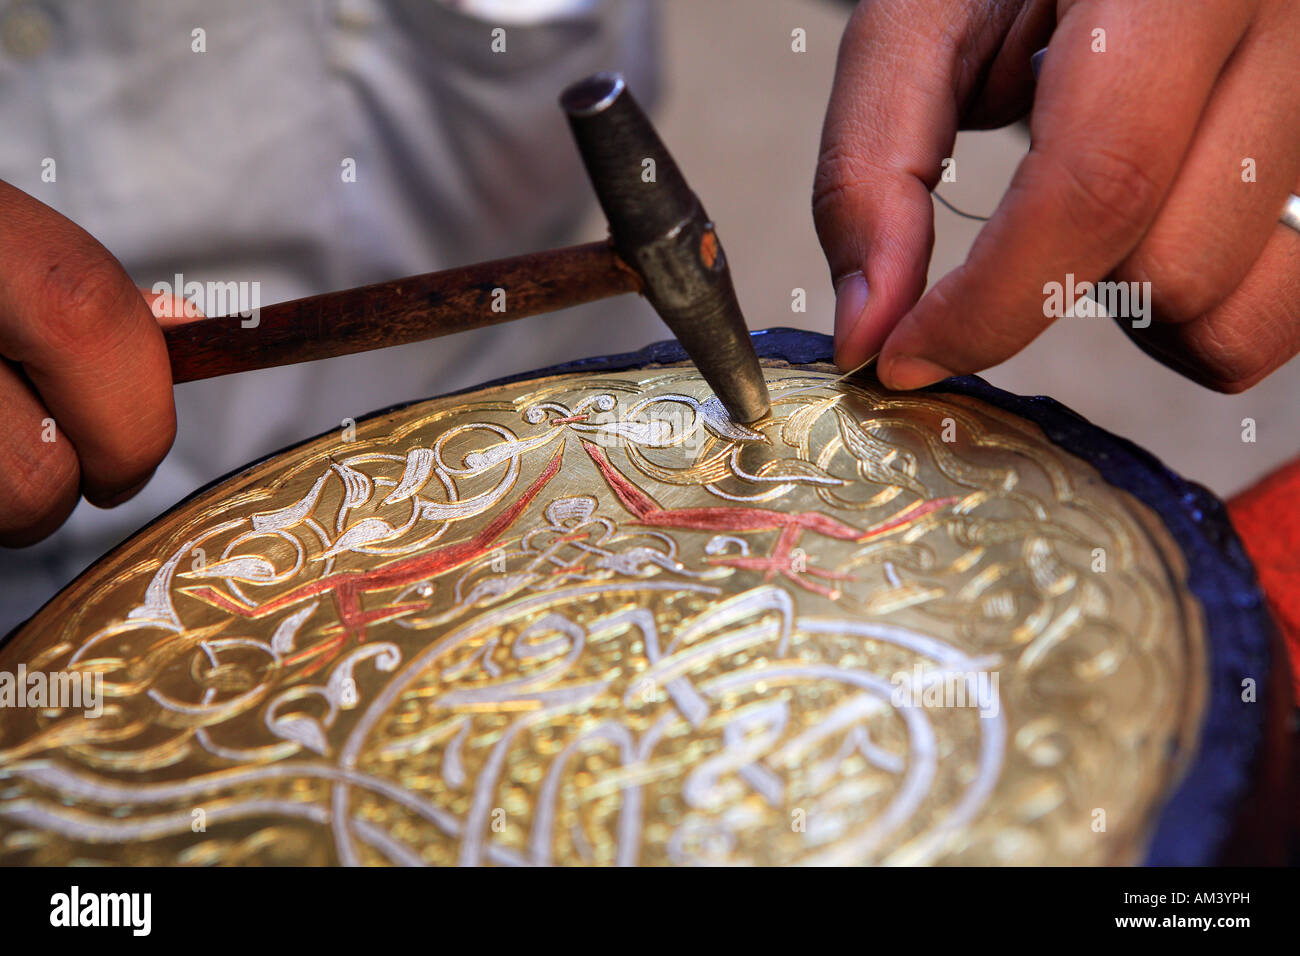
[661, 245]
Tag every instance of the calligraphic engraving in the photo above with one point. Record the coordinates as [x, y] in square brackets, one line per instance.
[589, 619]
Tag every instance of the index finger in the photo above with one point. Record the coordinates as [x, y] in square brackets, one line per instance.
[1121, 90]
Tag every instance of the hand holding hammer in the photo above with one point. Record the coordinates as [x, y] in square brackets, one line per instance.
[85, 371]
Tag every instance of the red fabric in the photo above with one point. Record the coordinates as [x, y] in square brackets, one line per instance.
[1267, 517]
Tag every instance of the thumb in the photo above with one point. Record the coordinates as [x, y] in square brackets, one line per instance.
[171, 309]
[903, 71]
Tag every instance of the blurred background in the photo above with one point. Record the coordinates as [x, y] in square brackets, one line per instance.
[223, 163]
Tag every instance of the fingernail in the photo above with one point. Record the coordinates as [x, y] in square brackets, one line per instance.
[906, 372]
[174, 308]
[850, 300]
[1036, 62]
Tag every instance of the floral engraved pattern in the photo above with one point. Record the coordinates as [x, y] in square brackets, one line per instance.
[589, 619]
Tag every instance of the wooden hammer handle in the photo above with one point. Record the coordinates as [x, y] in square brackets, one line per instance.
[394, 313]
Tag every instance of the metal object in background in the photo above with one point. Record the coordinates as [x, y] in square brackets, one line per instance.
[1291, 212]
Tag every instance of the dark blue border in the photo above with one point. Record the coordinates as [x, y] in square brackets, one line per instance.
[1197, 820]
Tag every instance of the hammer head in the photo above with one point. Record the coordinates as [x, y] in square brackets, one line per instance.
[659, 228]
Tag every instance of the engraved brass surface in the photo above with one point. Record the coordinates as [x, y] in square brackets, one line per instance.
[589, 619]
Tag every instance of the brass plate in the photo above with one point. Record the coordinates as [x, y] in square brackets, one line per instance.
[588, 619]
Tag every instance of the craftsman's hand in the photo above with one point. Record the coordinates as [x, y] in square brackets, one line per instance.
[1138, 171]
[85, 385]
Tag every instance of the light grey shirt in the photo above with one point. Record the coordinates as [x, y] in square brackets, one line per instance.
[232, 163]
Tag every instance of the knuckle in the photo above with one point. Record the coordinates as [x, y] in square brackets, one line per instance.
[857, 194]
[1181, 288]
[1238, 373]
[1112, 192]
[1211, 375]
[152, 449]
[129, 456]
[84, 305]
[1230, 359]
[1234, 387]
[840, 172]
[40, 484]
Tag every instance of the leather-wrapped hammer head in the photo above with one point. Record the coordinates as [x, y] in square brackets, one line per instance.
[660, 229]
